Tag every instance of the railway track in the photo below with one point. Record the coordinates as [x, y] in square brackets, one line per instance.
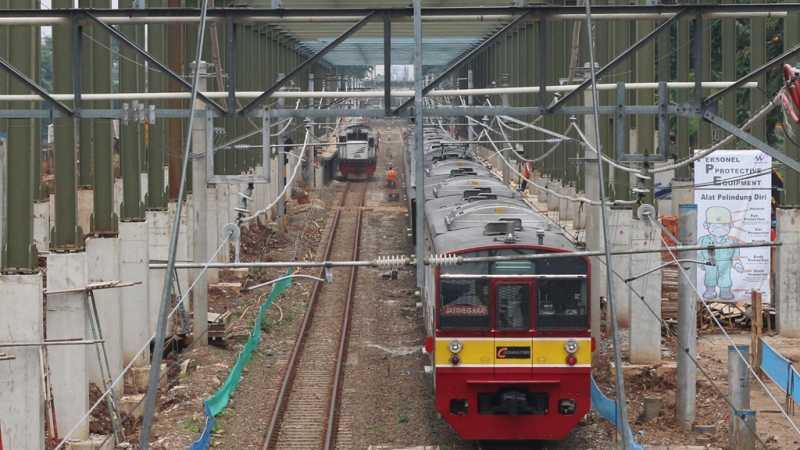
[306, 409]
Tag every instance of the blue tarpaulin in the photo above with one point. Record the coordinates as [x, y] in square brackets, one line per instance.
[607, 409]
[780, 370]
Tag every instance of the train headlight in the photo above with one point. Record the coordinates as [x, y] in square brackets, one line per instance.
[455, 346]
[571, 346]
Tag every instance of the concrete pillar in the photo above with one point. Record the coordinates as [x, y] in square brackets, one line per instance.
[645, 327]
[685, 404]
[619, 236]
[787, 278]
[103, 265]
[552, 199]
[681, 194]
[85, 208]
[118, 195]
[541, 194]
[41, 225]
[572, 206]
[21, 401]
[563, 203]
[201, 215]
[66, 319]
[740, 437]
[184, 250]
[159, 228]
[134, 259]
[212, 233]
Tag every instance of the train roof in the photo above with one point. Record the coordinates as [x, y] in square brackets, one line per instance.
[467, 206]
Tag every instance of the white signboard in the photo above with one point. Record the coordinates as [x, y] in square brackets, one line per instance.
[733, 197]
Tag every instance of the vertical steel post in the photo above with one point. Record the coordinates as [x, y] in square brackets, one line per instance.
[687, 321]
[18, 251]
[387, 63]
[704, 72]
[729, 56]
[156, 198]
[104, 220]
[419, 147]
[65, 236]
[645, 72]
[742, 424]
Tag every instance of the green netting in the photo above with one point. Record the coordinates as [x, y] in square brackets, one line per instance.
[219, 400]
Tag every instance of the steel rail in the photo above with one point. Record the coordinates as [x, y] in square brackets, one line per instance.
[294, 357]
[344, 335]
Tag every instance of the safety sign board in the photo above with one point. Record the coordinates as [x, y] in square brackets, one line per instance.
[733, 196]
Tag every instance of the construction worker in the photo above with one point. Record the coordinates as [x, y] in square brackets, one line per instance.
[391, 177]
[719, 223]
[526, 174]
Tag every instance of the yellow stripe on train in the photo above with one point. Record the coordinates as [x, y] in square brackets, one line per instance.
[514, 352]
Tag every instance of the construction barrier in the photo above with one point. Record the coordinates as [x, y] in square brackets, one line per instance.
[780, 370]
[215, 404]
[607, 409]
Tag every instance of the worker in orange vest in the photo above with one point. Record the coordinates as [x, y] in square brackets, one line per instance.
[391, 177]
[526, 174]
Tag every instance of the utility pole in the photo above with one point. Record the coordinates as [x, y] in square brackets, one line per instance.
[199, 211]
[743, 419]
[419, 145]
[687, 321]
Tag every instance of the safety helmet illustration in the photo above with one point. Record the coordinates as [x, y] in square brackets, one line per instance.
[718, 214]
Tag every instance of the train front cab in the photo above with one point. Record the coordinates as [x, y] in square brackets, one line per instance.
[513, 355]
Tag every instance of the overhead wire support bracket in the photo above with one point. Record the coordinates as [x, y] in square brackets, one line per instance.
[40, 91]
[466, 57]
[618, 59]
[319, 54]
[147, 56]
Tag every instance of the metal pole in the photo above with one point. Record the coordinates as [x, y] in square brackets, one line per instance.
[419, 145]
[280, 209]
[742, 424]
[622, 407]
[687, 321]
[156, 198]
[199, 211]
[161, 327]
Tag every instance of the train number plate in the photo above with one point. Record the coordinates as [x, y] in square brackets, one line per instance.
[513, 352]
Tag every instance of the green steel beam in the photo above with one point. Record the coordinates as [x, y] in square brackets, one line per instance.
[104, 219]
[705, 129]
[156, 198]
[758, 56]
[645, 72]
[682, 122]
[729, 55]
[621, 37]
[66, 235]
[132, 208]
[86, 127]
[19, 253]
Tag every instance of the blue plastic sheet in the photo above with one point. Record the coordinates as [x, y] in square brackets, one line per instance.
[607, 409]
[218, 401]
[780, 371]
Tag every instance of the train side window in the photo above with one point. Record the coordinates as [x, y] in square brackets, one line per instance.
[561, 304]
[465, 304]
[513, 306]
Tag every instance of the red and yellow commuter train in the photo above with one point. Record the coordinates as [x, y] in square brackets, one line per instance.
[509, 338]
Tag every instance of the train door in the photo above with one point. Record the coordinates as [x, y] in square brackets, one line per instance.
[512, 304]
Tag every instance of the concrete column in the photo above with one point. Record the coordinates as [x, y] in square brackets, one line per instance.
[201, 216]
[41, 225]
[541, 194]
[159, 228]
[787, 278]
[645, 327]
[118, 195]
[85, 208]
[552, 199]
[212, 233]
[67, 319]
[184, 250]
[740, 437]
[103, 265]
[619, 236]
[21, 401]
[681, 194]
[687, 322]
[134, 259]
[593, 224]
[572, 206]
[563, 203]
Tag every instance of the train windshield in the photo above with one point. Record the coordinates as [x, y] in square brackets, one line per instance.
[556, 303]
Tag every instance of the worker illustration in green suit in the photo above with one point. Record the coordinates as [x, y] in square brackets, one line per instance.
[718, 224]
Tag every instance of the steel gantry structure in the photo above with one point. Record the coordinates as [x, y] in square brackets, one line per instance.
[525, 61]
